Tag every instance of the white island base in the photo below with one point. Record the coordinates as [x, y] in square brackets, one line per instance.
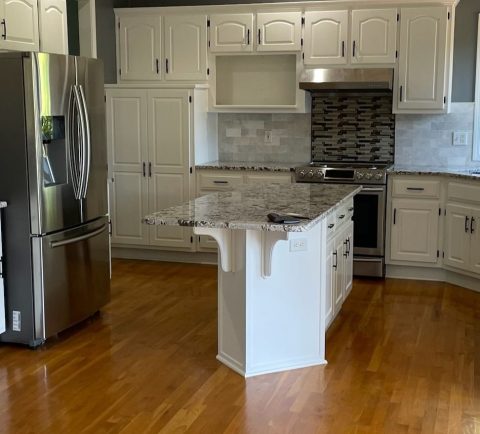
[271, 298]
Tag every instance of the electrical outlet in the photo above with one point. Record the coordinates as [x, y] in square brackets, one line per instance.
[298, 245]
[460, 138]
[268, 136]
[16, 321]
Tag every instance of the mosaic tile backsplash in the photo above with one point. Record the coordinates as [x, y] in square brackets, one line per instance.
[426, 140]
[353, 126]
[241, 137]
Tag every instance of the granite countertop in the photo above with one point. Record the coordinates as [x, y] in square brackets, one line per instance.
[247, 207]
[454, 172]
[3, 204]
[250, 166]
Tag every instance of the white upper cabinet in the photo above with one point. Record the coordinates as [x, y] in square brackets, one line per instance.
[186, 47]
[374, 36]
[231, 33]
[422, 59]
[279, 31]
[53, 26]
[326, 37]
[140, 48]
[19, 25]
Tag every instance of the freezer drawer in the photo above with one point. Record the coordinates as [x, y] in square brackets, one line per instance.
[72, 277]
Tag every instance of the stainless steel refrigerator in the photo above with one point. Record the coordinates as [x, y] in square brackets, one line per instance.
[53, 174]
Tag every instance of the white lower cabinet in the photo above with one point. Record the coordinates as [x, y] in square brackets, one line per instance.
[462, 244]
[148, 134]
[414, 232]
[339, 270]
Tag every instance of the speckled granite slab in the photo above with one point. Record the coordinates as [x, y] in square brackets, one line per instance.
[247, 207]
[249, 166]
[468, 174]
[3, 204]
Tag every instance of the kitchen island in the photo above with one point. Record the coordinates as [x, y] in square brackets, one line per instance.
[271, 277]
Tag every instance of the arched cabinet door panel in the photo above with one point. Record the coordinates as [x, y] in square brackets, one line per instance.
[53, 26]
[230, 33]
[326, 37]
[374, 36]
[19, 27]
[279, 31]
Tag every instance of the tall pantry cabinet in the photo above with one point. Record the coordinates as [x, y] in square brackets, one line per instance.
[150, 138]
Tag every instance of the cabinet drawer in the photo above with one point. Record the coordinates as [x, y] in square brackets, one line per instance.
[463, 192]
[284, 178]
[219, 182]
[416, 188]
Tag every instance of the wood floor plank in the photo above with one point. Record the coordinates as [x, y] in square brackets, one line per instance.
[404, 357]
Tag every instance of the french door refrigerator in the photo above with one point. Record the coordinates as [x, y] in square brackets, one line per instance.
[53, 174]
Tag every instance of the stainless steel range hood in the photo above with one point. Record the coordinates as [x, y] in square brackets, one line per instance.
[347, 79]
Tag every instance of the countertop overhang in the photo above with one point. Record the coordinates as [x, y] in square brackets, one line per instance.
[247, 207]
[459, 173]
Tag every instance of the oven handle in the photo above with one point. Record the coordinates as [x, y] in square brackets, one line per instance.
[373, 189]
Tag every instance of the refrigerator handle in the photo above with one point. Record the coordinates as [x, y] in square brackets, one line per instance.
[73, 240]
[73, 140]
[88, 143]
[82, 150]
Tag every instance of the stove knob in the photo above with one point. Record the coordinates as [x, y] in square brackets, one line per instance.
[319, 174]
[310, 174]
[302, 174]
[368, 176]
[378, 176]
[359, 175]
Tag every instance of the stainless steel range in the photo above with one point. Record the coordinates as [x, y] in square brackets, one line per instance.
[369, 208]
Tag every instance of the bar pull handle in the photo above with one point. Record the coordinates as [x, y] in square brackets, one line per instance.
[157, 63]
[220, 182]
[349, 246]
[354, 47]
[144, 169]
[345, 254]
[343, 48]
[336, 260]
[467, 220]
[92, 234]
[166, 65]
[341, 217]
[472, 223]
[395, 216]
[150, 169]
[4, 24]
[331, 225]
[401, 93]
[415, 188]
[88, 143]
[259, 37]
[248, 37]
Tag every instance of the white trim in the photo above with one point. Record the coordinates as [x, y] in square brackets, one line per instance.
[476, 121]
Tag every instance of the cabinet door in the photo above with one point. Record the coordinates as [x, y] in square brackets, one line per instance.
[127, 149]
[457, 236]
[19, 27]
[348, 258]
[279, 31]
[140, 48]
[231, 33]
[326, 37]
[53, 26]
[422, 61]
[339, 272]
[475, 240]
[330, 281]
[186, 47]
[374, 35]
[414, 235]
[169, 161]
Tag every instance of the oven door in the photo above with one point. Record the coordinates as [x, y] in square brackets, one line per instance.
[369, 221]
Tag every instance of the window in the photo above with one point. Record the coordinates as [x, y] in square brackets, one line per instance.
[476, 125]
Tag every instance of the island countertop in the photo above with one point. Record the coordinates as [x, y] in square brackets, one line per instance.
[247, 207]
[249, 166]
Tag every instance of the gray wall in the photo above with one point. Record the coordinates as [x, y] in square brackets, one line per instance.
[464, 50]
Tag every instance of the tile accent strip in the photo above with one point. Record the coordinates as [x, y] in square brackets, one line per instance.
[355, 126]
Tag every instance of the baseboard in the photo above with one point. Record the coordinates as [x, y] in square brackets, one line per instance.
[435, 274]
[164, 255]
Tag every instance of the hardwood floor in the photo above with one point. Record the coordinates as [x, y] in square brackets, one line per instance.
[404, 357]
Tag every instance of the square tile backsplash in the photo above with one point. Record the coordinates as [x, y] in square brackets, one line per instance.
[353, 126]
[242, 137]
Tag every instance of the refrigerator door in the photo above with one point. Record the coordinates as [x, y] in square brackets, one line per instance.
[51, 110]
[71, 276]
[91, 88]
